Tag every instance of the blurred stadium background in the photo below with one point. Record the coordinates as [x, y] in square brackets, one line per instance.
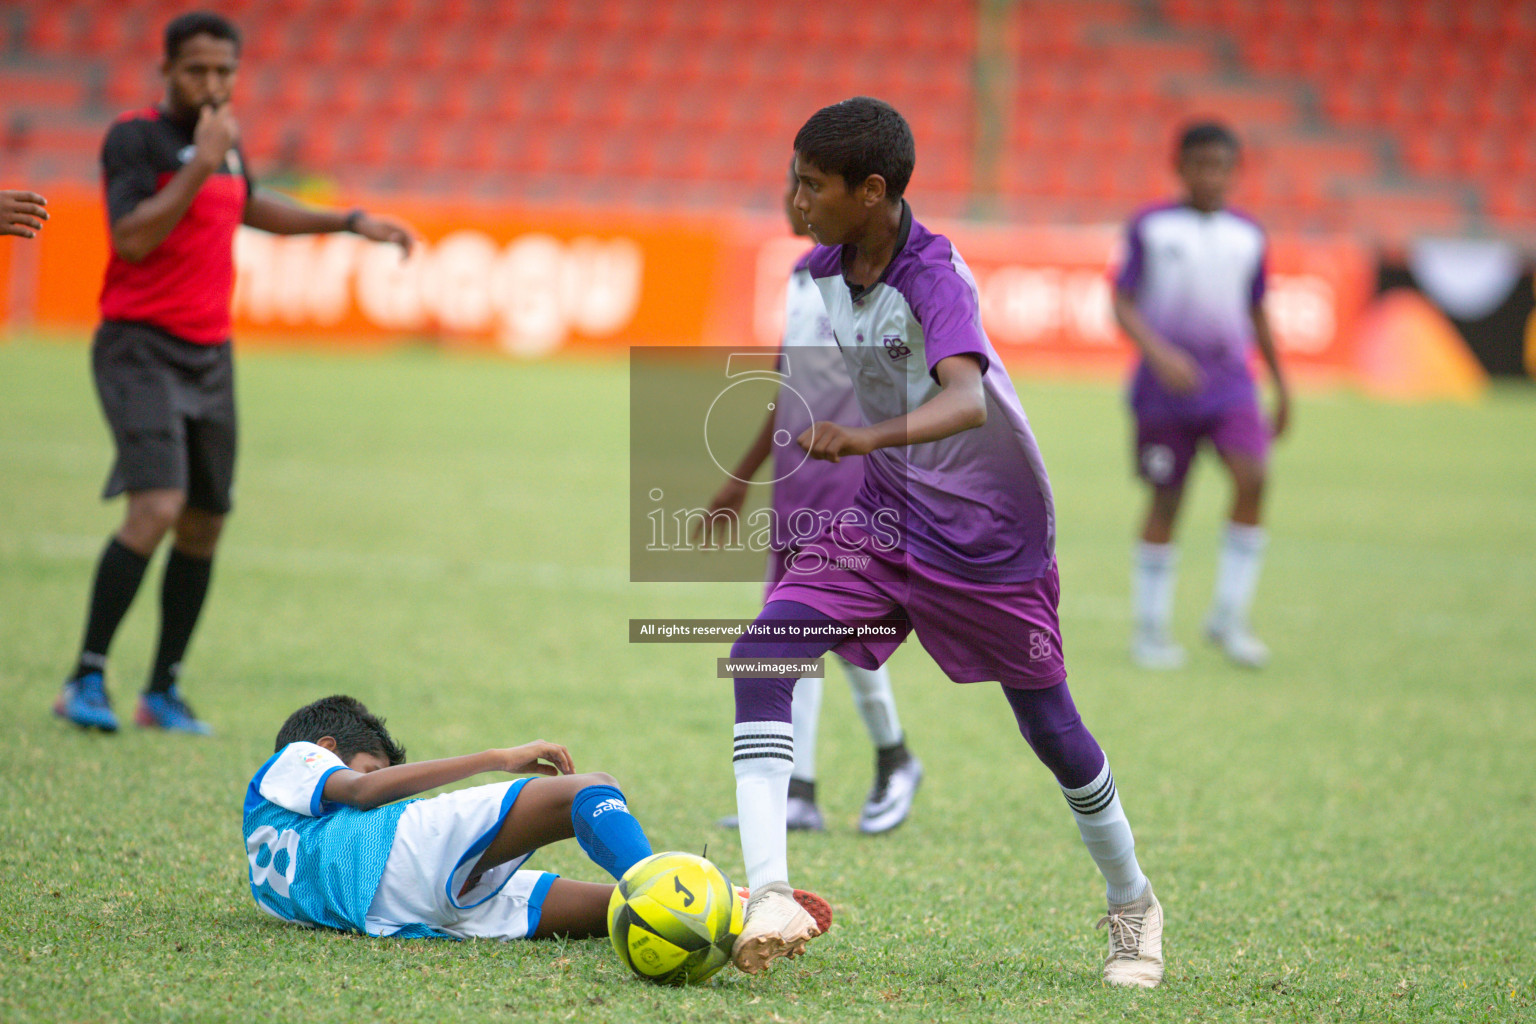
[604, 172]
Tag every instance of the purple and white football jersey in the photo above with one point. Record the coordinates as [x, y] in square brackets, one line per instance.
[976, 504]
[1195, 278]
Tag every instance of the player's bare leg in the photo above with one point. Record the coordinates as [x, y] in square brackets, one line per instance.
[1237, 568]
[198, 532]
[576, 910]
[1153, 579]
[541, 816]
[1162, 513]
[588, 807]
[149, 516]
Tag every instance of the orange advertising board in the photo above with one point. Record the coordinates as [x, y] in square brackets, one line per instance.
[1045, 294]
[534, 282]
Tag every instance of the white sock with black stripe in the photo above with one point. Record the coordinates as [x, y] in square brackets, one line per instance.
[1107, 834]
[764, 757]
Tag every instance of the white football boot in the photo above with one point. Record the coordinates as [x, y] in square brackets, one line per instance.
[1156, 652]
[1135, 942]
[890, 798]
[1240, 646]
[775, 926]
[801, 815]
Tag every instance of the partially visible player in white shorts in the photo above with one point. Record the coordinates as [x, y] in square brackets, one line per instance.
[429, 877]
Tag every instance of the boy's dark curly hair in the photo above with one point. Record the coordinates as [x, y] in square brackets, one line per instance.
[356, 730]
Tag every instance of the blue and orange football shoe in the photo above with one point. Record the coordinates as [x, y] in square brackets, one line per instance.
[84, 701]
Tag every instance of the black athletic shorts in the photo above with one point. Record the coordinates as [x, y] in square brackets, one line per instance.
[171, 406]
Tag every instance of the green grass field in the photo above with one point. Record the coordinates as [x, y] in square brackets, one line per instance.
[1347, 835]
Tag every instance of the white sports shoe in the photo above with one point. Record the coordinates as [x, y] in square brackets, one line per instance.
[1239, 645]
[1135, 942]
[890, 798]
[776, 925]
[801, 815]
[1156, 652]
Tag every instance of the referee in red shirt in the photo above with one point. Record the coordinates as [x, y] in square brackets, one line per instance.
[177, 187]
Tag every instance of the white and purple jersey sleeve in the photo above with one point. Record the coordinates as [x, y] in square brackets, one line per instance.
[814, 369]
[978, 503]
[1195, 277]
[295, 779]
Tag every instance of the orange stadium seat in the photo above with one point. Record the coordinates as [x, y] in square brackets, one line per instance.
[50, 29]
[1353, 109]
[43, 90]
[1512, 199]
[128, 86]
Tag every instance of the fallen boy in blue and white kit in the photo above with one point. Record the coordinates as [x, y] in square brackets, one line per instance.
[327, 847]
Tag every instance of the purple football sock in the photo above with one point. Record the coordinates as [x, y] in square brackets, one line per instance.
[1054, 730]
[769, 700]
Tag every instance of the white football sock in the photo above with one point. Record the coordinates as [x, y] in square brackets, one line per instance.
[805, 714]
[1152, 580]
[1107, 835]
[763, 758]
[875, 701]
[1237, 574]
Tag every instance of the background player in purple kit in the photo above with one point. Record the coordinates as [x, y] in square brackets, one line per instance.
[949, 452]
[1190, 295]
[814, 369]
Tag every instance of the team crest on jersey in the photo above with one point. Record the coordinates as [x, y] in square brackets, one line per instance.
[895, 347]
[312, 757]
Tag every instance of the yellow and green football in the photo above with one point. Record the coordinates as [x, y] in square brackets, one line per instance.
[673, 918]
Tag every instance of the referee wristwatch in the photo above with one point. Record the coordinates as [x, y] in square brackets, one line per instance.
[353, 216]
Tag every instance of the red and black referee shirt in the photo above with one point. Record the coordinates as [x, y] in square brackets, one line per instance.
[185, 285]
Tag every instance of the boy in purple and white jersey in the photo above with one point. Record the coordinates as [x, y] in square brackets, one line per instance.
[951, 461]
[813, 369]
[1190, 296]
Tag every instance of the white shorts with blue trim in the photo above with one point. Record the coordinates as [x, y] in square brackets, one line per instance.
[437, 845]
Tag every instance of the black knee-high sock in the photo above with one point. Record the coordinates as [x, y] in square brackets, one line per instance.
[119, 572]
[181, 602]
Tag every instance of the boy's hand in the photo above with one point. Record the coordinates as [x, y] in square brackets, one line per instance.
[1176, 369]
[22, 213]
[217, 132]
[1282, 416]
[529, 759]
[831, 441]
[385, 229]
[730, 498]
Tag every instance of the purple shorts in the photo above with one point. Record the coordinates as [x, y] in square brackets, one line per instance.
[976, 632]
[1165, 446]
